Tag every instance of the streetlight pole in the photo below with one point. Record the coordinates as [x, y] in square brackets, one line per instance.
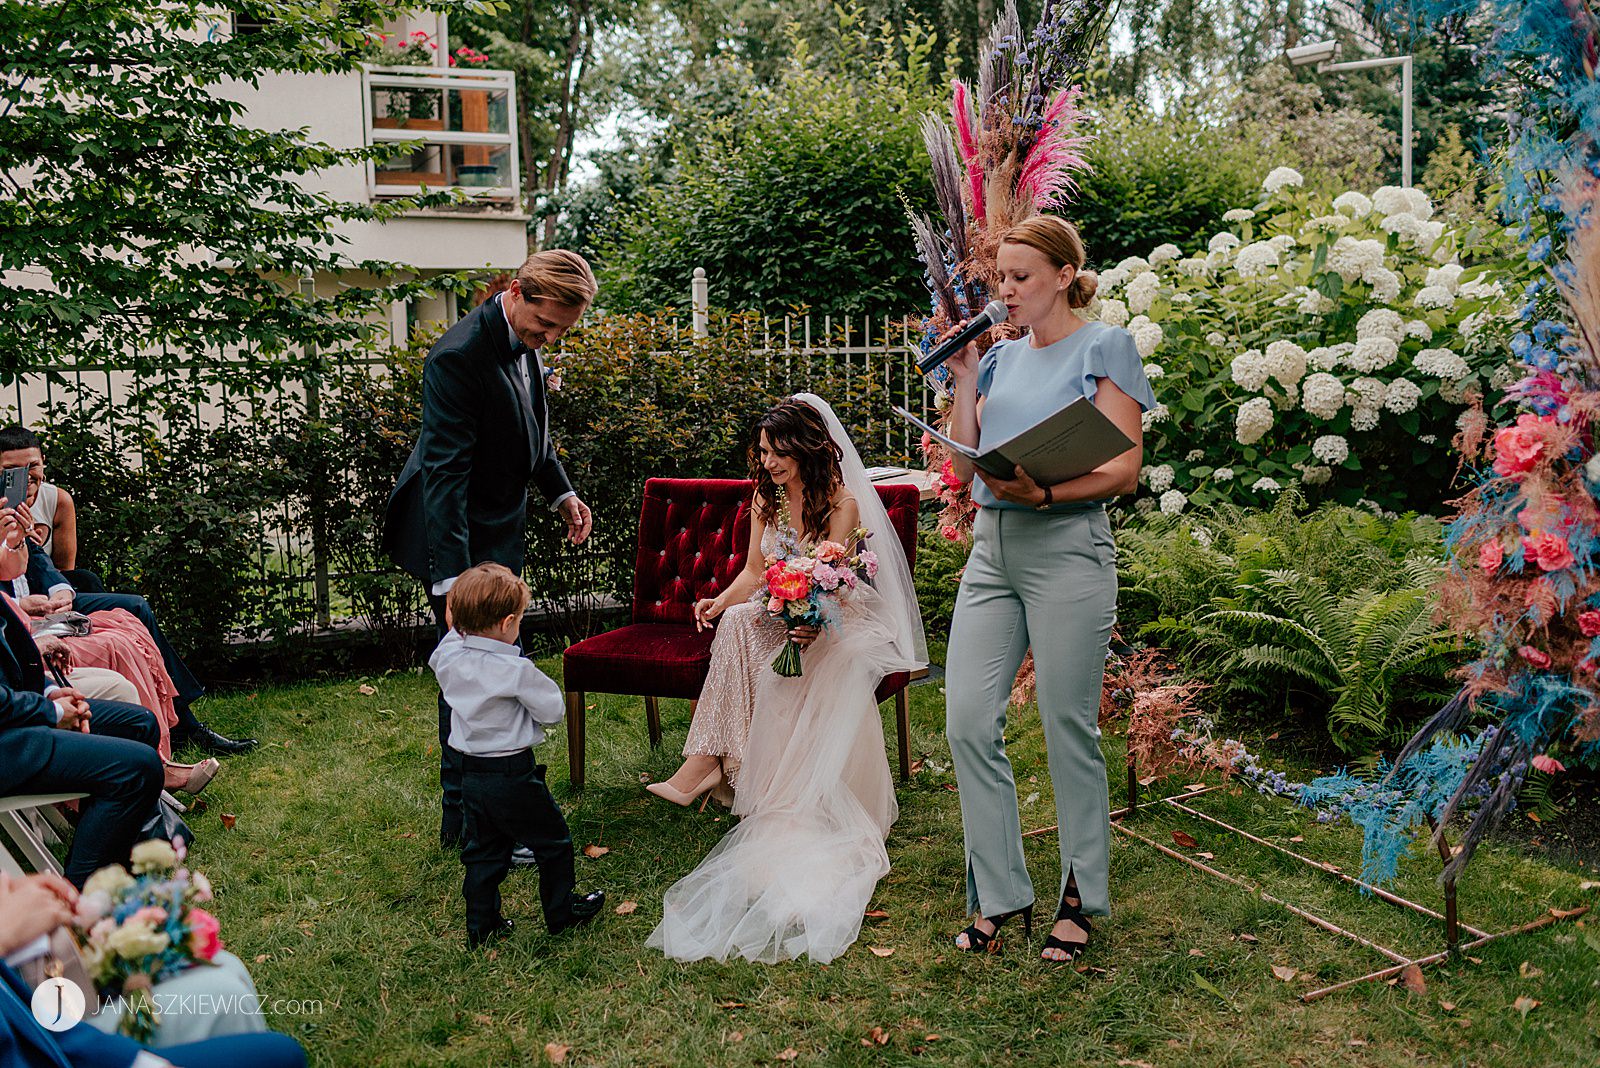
[1321, 52]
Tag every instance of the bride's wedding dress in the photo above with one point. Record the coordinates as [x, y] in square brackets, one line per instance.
[815, 795]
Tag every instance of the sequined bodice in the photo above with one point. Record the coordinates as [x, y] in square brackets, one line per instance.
[780, 543]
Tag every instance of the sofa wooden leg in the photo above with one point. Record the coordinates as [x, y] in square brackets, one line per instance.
[902, 727]
[575, 738]
[652, 719]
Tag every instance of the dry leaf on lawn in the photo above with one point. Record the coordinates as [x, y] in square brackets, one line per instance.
[626, 908]
[881, 951]
[1195, 786]
[730, 1004]
[1185, 839]
[593, 851]
[789, 1054]
[1197, 953]
[1528, 971]
[1562, 914]
[228, 820]
[556, 1052]
[1206, 856]
[876, 1037]
[1248, 938]
[367, 691]
[1147, 780]
[1134, 1064]
[1284, 972]
[1411, 976]
[735, 1036]
[1448, 1006]
[1589, 884]
[483, 1019]
[876, 914]
[1298, 838]
[1524, 1005]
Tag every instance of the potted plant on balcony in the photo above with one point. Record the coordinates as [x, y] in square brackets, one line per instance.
[416, 109]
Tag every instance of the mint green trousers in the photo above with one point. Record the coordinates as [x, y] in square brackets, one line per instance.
[1048, 581]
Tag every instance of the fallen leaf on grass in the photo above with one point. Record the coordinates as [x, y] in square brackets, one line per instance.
[948, 786]
[408, 834]
[1197, 953]
[262, 958]
[626, 908]
[1134, 1064]
[876, 1037]
[1248, 938]
[881, 951]
[483, 1019]
[735, 1036]
[789, 1054]
[1534, 816]
[875, 914]
[1528, 971]
[1412, 978]
[1206, 856]
[730, 1004]
[1356, 1042]
[1448, 1006]
[1284, 972]
[556, 1052]
[1185, 839]
[916, 766]
[594, 852]
[1562, 914]
[1524, 1005]
[367, 691]
[1298, 838]
[1195, 786]
[1589, 884]
[1475, 960]
[1205, 984]
[228, 820]
[932, 1038]
[1147, 780]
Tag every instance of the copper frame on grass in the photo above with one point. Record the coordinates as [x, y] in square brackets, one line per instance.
[1400, 962]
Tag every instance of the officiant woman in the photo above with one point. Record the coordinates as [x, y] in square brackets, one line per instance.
[1043, 571]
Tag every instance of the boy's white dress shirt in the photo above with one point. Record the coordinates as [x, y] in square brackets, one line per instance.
[499, 701]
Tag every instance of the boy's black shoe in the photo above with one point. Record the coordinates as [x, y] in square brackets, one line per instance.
[581, 908]
[500, 930]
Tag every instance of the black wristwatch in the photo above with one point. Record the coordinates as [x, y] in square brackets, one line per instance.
[1044, 505]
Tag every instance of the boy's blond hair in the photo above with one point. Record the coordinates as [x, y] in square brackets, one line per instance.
[483, 596]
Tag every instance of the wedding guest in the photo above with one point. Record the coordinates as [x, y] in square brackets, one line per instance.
[55, 513]
[500, 704]
[1043, 570]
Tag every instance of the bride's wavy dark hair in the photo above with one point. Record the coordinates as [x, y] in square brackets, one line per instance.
[797, 431]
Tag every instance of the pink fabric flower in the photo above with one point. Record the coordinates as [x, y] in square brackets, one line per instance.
[1548, 764]
[1490, 556]
[204, 932]
[1518, 448]
[1589, 623]
[1550, 551]
[1537, 657]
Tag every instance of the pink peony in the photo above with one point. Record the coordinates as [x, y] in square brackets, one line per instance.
[1490, 555]
[203, 934]
[787, 584]
[1589, 623]
[1550, 551]
[1517, 448]
[1537, 657]
[1548, 764]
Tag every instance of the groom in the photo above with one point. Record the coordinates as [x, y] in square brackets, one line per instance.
[462, 497]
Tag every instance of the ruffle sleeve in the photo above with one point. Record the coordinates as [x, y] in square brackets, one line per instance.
[1113, 355]
[986, 365]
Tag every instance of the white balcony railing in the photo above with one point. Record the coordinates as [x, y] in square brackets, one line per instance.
[461, 125]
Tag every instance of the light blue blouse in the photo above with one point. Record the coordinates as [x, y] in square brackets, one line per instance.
[1023, 385]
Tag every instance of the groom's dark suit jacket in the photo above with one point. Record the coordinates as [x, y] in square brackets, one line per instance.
[462, 497]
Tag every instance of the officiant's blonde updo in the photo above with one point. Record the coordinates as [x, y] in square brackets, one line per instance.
[1059, 241]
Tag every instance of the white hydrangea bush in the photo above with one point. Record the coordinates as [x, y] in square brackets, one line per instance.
[1332, 342]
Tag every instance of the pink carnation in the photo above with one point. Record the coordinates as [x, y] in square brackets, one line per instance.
[1537, 657]
[829, 551]
[869, 561]
[1550, 551]
[1490, 556]
[826, 577]
[1589, 623]
[949, 533]
[204, 931]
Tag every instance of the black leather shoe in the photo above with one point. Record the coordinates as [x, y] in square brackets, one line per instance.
[209, 740]
[522, 857]
[581, 908]
[500, 930]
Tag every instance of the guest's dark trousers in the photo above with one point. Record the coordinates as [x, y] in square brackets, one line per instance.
[507, 804]
[120, 770]
[189, 688]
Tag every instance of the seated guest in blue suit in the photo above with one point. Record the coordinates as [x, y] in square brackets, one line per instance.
[44, 747]
[43, 589]
[35, 906]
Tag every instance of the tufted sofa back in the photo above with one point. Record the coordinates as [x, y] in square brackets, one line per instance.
[693, 533]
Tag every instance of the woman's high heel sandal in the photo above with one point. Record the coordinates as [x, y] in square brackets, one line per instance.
[979, 942]
[678, 797]
[1074, 913]
[196, 775]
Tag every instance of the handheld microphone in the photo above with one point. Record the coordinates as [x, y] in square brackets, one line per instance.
[993, 314]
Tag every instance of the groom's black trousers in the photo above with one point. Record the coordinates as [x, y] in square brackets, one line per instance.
[507, 804]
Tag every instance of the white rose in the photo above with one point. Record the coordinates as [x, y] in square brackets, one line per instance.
[136, 939]
[1253, 420]
[153, 854]
[1282, 178]
[1331, 449]
[1172, 502]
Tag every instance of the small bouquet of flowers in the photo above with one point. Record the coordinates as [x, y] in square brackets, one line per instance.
[142, 928]
[805, 589]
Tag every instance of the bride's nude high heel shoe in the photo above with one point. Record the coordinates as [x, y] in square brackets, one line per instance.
[678, 797]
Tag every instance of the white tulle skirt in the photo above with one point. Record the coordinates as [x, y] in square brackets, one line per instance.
[816, 802]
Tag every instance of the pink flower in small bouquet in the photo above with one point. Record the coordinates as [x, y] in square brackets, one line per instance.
[805, 590]
[1518, 448]
[204, 934]
[1550, 551]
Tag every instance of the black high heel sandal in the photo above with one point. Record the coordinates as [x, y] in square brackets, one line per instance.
[979, 942]
[1074, 913]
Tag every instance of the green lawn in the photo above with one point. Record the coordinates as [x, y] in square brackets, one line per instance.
[331, 881]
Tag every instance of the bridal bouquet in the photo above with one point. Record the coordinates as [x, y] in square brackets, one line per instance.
[806, 589]
[142, 928]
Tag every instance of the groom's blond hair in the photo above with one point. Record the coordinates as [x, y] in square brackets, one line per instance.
[557, 274]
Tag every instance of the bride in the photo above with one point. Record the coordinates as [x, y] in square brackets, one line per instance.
[814, 794]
